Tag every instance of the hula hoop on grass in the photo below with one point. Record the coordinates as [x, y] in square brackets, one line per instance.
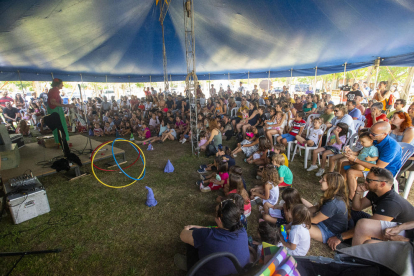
[141, 176]
[96, 167]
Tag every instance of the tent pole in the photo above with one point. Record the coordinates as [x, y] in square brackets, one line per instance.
[316, 73]
[248, 78]
[209, 84]
[52, 75]
[377, 65]
[129, 82]
[344, 74]
[268, 83]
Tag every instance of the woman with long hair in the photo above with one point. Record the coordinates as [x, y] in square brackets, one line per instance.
[252, 120]
[215, 136]
[402, 128]
[330, 216]
[19, 102]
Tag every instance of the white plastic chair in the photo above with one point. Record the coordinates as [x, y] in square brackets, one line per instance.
[407, 152]
[349, 136]
[358, 124]
[234, 111]
[238, 103]
[306, 148]
[310, 118]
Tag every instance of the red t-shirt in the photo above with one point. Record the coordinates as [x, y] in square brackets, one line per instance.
[141, 106]
[369, 123]
[53, 94]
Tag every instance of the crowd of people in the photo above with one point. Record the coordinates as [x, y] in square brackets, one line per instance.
[265, 125]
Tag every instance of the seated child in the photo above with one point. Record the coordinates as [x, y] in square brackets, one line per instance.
[285, 174]
[97, 131]
[235, 186]
[215, 183]
[203, 138]
[146, 133]
[268, 234]
[169, 134]
[238, 200]
[336, 141]
[269, 191]
[315, 133]
[299, 236]
[23, 128]
[108, 130]
[281, 213]
[260, 156]
[369, 153]
[296, 129]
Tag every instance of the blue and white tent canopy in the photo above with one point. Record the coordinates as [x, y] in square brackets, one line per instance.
[120, 41]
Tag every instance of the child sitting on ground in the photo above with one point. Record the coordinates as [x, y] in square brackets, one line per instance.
[268, 234]
[285, 174]
[235, 185]
[238, 200]
[203, 138]
[281, 213]
[315, 133]
[169, 134]
[23, 128]
[108, 130]
[269, 191]
[146, 133]
[336, 141]
[299, 236]
[213, 182]
[97, 131]
[260, 156]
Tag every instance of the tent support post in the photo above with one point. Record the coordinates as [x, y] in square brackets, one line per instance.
[268, 83]
[316, 74]
[163, 12]
[344, 74]
[248, 78]
[191, 80]
[52, 75]
[377, 67]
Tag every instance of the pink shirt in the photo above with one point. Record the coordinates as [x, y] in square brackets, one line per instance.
[147, 133]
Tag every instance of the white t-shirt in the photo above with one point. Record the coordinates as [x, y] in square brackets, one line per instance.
[314, 135]
[300, 236]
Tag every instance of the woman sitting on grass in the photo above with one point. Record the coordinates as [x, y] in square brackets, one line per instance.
[229, 236]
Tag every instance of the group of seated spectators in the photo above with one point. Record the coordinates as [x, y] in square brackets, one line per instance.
[263, 128]
[264, 125]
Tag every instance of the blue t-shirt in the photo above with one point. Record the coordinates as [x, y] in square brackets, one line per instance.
[355, 113]
[307, 109]
[371, 151]
[390, 152]
[212, 240]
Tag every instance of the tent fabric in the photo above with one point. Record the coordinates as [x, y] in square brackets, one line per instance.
[121, 41]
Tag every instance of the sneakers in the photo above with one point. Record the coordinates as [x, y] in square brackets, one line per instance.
[201, 170]
[258, 177]
[204, 189]
[183, 141]
[261, 209]
[202, 177]
[234, 155]
[199, 182]
[312, 167]
[320, 172]
[203, 167]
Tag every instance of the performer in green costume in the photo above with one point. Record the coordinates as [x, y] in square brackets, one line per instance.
[54, 104]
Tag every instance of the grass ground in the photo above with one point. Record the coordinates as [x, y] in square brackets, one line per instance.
[105, 231]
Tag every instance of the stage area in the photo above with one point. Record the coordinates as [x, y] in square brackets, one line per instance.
[33, 153]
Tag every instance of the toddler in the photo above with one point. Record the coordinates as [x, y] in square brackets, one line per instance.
[203, 138]
[215, 183]
[295, 130]
[285, 174]
[108, 130]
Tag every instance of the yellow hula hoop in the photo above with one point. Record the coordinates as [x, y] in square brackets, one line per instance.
[117, 187]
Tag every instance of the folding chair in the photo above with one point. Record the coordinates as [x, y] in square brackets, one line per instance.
[358, 124]
[349, 135]
[407, 152]
[234, 111]
[306, 147]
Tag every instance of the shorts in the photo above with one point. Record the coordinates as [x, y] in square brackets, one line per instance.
[326, 233]
[237, 119]
[283, 184]
[186, 136]
[277, 128]
[288, 137]
[333, 149]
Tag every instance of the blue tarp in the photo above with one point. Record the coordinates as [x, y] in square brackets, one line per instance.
[120, 41]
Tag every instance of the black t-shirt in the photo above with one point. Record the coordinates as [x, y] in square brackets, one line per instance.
[238, 99]
[179, 104]
[352, 94]
[170, 104]
[10, 112]
[392, 205]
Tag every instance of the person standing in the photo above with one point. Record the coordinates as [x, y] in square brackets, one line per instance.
[55, 104]
[241, 88]
[212, 91]
[5, 99]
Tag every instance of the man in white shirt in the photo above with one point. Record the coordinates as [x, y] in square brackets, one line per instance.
[255, 90]
[212, 91]
[241, 88]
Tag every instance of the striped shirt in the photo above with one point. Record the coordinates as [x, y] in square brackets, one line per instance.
[296, 125]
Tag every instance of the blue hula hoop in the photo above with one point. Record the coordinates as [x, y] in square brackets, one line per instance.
[113, 155]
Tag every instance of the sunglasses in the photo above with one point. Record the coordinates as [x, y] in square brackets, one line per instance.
[374, 134]
[370, 180]
[336, 111]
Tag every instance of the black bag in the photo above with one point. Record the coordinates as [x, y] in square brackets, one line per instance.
[211, 150]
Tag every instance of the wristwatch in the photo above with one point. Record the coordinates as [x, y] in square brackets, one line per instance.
[339, 236]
